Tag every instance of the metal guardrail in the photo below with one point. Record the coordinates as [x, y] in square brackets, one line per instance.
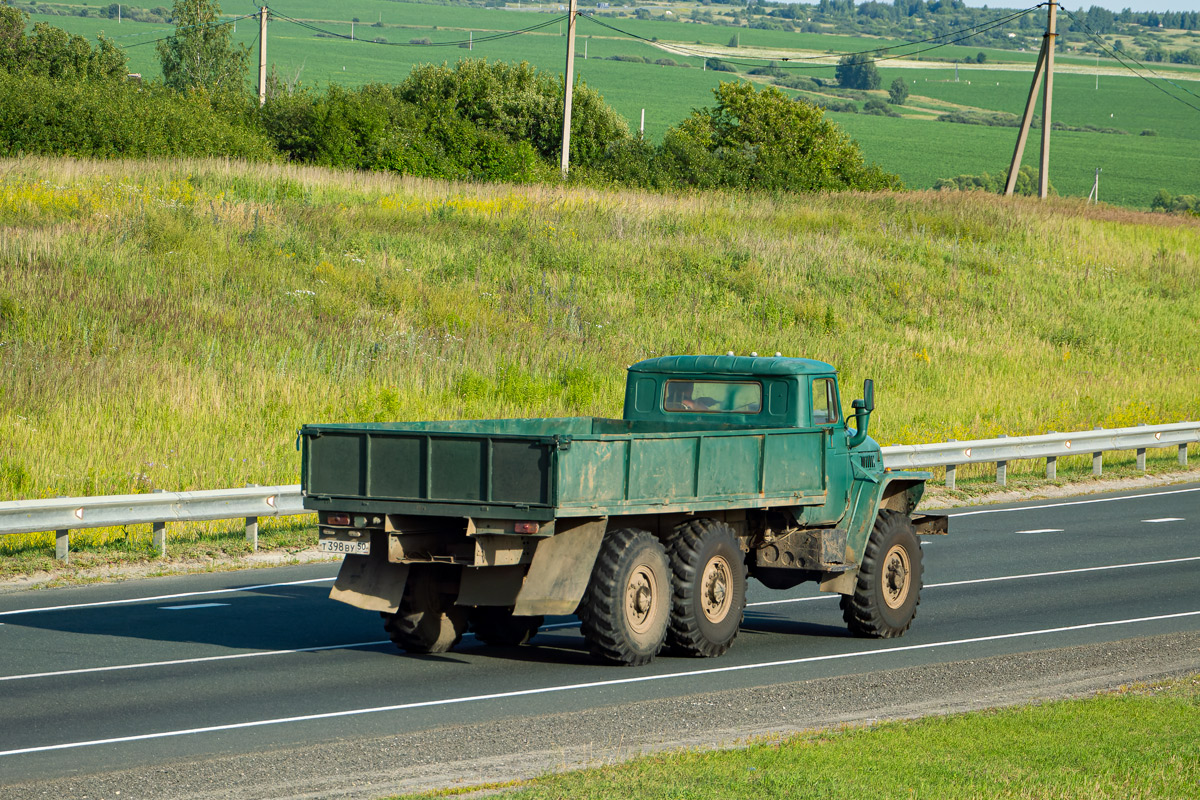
[64, 514]
[1049, 446]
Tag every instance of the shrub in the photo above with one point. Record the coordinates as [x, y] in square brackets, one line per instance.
[798, 82]
[105, 119]
[856, 71]
[879, 108]
[765, 140]
[517, 103]
[898, 92]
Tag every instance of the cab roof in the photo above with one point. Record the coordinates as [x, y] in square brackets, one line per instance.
[733, 365]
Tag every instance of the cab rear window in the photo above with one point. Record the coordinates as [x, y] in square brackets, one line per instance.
[713, 397]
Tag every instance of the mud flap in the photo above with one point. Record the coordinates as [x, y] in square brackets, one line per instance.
[373, 584]
[561, 567]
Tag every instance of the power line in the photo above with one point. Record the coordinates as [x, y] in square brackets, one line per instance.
[474, 40]
[1121, 59]
[755, 60]
[206, 26]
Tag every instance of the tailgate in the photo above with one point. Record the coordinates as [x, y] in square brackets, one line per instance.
[416, 471]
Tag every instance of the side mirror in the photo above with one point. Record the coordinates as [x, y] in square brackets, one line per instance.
[862, 414]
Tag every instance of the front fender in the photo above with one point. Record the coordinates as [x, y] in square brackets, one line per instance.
[900, 491]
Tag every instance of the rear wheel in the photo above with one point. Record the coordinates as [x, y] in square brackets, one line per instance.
[710, 588]
[498, 626]
[888, 591]
[427, 620]
[627, 603]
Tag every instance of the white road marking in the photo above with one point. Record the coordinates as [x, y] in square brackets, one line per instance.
[1166, 519]
[199, 660]
[161, 597]
[141, 737]
[232, 656]
[193, 605]
[1064, 572]
[996, 579]
[1070, 503]
[1043, 530]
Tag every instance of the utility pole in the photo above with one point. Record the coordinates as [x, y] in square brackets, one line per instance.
[262, 56]
[1095, 188]
[568, 86]
[1045, 65]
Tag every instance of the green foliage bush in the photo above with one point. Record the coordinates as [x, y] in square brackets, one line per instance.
[857, 71]
[54, 53]
[1175, 204]
[799, 82]
[374, 127]
[1027, 183]
[898, 92]
[760, 139]
[879, 108]
[105, 119]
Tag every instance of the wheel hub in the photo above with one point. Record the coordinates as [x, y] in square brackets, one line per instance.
[715, 597]
[896, 576]
[640, 598]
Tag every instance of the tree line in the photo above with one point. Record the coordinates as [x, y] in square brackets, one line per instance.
[472, 120]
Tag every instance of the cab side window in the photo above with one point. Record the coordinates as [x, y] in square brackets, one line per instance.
[824, 401]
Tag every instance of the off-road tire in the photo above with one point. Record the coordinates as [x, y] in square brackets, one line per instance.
[626, 607]
[499, 627]
[427, 620]
[709, 571]
[888, 591]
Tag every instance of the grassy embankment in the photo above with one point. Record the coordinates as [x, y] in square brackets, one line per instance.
[919, 149]
[170, 325]
[1139, 743]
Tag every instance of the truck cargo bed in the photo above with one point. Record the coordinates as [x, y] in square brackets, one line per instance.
[539, 469]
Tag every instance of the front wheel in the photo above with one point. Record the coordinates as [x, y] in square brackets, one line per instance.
[625, 610]
[888, 590]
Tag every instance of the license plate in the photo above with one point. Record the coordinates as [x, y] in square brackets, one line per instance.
[362, 548]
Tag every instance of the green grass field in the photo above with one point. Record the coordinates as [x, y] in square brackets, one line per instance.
[1126, 745]
[1134, 167]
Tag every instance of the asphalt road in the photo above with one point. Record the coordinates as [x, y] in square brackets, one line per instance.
[145, 675]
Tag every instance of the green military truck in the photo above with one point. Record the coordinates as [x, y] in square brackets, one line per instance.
[646, 527]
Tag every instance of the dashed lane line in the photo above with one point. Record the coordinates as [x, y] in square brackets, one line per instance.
[573, 687]
[1070, 503]
[161, 597]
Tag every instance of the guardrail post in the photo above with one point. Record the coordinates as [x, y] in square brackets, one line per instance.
[159, 539]
[62, 545]
[951, 470]
[1002, 467]
[252, 532]
[1051, 468]
[1098, 458]
[1183, 455]
[1141, 453]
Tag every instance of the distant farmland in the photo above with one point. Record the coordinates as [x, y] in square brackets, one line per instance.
[919, 148]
